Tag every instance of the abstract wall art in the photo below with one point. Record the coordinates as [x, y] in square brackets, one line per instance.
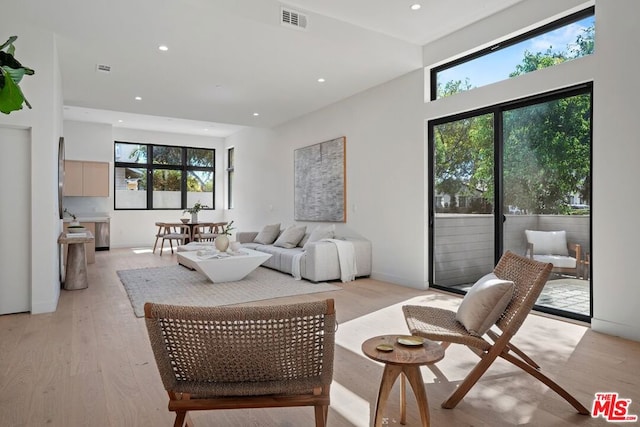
[320, 182]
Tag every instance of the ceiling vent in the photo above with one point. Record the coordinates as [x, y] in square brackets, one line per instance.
[102, 68]
[292, 18]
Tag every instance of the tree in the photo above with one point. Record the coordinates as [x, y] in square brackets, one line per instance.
[463, 153]
[546, 153]
[546, 146]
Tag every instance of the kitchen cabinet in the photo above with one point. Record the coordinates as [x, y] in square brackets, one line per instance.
[90, 247]
[82, 178]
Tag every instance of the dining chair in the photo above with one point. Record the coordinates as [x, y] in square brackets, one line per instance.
[205, 232]
[244, 357]
[174, 231]
[527, 278]
[159, 234]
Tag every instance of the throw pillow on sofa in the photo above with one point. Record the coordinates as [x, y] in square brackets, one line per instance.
[268, 234]
[319, 233]
[291, 236]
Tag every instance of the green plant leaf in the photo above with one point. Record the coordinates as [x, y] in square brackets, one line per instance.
[11, 97]
[9, 43]
[15, 74]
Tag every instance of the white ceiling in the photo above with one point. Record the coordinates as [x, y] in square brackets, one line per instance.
[229, 59]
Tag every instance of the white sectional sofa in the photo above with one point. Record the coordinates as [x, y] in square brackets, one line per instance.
[318, 259]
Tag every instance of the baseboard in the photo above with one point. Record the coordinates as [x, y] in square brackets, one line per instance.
[45, 306]
[402, 281]
[616, 329]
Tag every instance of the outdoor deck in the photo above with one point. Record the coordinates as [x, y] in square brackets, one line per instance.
[464, 248]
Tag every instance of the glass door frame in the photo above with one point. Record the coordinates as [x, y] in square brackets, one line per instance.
[499, 215]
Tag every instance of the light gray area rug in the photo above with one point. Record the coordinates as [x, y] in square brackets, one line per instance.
[178, 285]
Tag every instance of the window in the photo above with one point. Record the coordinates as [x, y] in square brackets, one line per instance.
[560, 41]
[148, 176]
[230, 171]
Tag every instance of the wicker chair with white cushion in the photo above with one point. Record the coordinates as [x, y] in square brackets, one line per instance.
[552, 247]
[485, 330]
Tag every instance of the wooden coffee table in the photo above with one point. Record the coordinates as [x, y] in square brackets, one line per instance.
[405, 361]
[230, 268]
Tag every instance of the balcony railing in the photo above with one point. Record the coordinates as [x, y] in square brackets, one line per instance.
[464, 242]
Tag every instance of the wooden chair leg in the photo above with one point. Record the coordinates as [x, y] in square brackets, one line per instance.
[154, 245]
[523, 355]
[471, 378]
[548, 382]
[321, 415]
[516, 350]
[162, 247]
[180, 416]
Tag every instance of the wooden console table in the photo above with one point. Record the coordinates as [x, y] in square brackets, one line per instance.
[76, 262]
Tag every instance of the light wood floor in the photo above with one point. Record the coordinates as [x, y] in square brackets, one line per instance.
[90, 364]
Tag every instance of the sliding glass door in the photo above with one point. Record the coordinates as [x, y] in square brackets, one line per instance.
[462, 207]
[546, 171]
[506, 176]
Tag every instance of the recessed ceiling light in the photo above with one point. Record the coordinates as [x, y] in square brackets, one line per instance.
[120, 121]
[163, 48]
[138, 98]
[321, 80]
[206, 129]
[415, 6]
[256, 114]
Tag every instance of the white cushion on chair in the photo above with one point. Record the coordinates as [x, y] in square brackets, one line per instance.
[484, 303]
[548, 242]
[557, 260]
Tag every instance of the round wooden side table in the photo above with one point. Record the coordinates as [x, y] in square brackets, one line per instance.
[404, 361]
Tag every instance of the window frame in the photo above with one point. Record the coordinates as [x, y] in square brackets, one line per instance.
[554, 25]
[230, 175]
[149, 167]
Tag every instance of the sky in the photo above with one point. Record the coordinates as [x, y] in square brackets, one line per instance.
[498, 65]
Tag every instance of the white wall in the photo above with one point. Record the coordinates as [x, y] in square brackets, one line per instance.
[615, 170]
[386, 157]
[37, 49]
[15, 191]
[94, 141]
[385, 173]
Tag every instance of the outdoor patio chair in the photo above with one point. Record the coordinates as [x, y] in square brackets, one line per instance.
[244, 357]
[520, 281]
[552, 246]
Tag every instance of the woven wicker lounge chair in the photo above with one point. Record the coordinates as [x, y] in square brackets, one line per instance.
[438, 324]
[244, 357]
